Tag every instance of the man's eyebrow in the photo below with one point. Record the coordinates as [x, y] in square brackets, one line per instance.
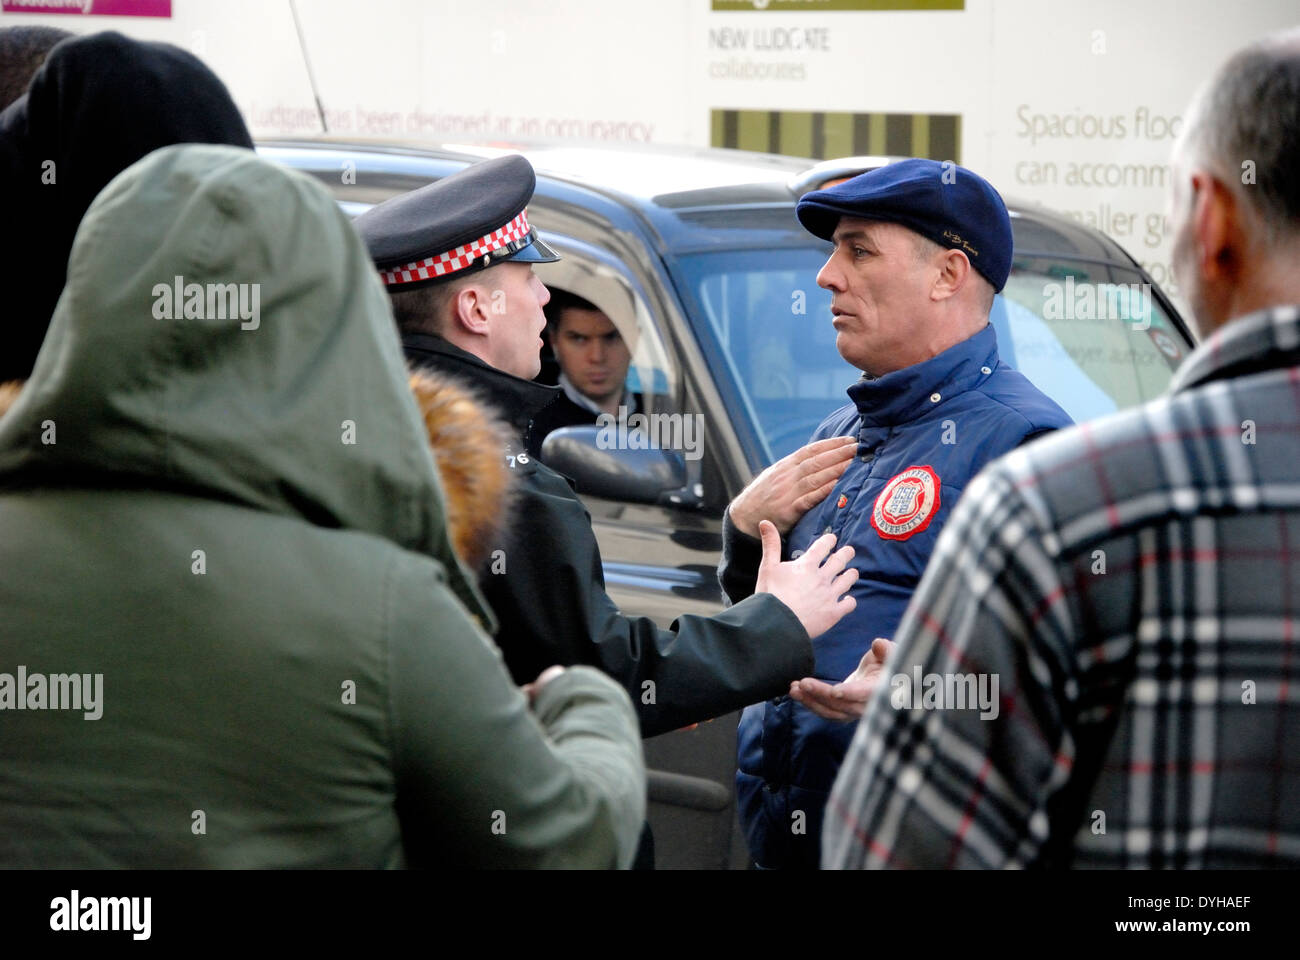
[858, 234]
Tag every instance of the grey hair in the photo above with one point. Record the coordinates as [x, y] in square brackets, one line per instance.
[925, 249]
[1247, 118]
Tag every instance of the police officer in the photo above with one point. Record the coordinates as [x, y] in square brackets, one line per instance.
[456, 257]
[920, 248]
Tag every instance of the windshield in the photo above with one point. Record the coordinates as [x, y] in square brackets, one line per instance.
[1090, 336]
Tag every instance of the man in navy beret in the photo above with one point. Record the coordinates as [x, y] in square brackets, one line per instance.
[920, 249]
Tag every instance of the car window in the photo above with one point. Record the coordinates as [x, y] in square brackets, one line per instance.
[598, 277]
[1091, 336]
[765, 311]
[1088, 335]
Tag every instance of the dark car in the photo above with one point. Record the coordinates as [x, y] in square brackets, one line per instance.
[698, 259]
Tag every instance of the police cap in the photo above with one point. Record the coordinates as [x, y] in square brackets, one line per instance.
[463, 223]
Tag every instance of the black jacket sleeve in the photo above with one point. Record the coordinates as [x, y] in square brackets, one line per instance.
[549, 595]
[741, 556]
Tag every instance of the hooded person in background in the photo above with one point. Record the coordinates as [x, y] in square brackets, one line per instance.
[99, 104]
[103, 102]
[229, 596]
[22, 51]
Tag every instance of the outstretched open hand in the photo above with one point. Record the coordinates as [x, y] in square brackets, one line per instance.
[847, 700]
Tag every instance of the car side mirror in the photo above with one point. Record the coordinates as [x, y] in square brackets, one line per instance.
[634, 475]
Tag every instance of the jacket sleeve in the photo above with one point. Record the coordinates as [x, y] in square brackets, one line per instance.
[741, 556]
[553, 608]
[741, 553]
[483, 782]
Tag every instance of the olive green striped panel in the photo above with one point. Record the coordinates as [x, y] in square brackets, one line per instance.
[824, 135]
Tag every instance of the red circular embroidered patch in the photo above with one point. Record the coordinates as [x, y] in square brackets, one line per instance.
[907, 504]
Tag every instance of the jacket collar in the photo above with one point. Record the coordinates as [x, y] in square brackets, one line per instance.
[907, 394]
[581, 400]
[1258, 341]
[515, 399]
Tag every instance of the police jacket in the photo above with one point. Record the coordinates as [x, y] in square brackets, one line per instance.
[923, 433]
[547, 590]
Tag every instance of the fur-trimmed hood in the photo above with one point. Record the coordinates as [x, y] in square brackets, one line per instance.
[8, 394]
[468, 443]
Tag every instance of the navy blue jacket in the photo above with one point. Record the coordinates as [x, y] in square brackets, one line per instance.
[923, 433]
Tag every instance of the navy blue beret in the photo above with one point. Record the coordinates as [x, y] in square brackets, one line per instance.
[942, 201]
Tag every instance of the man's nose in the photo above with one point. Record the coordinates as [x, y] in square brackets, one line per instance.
[828, 277]
[596, 351]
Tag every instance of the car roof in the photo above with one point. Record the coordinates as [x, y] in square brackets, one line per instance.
[689, 193]
[638, 171]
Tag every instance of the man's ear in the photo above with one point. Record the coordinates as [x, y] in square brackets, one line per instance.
[954, 272]
[471, 309]
[1217, 228]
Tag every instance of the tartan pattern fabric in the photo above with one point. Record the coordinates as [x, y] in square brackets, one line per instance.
[460, 258]
[1133, 586]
